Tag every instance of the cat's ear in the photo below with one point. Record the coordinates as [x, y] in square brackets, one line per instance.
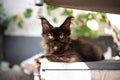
[66, 24]
[45, 25]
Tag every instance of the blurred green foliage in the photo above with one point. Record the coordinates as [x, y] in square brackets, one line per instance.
[81, 28]
[18, 18]
[80, 21]
[67, 12]
[50, 8]
[28, 13]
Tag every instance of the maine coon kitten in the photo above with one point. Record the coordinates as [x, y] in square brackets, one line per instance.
[59, 47]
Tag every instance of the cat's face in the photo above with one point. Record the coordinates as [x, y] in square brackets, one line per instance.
[56, 38]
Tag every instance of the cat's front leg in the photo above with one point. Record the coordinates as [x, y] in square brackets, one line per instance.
[52, 58]
[37, 66]
[36, 71]
[43, 58]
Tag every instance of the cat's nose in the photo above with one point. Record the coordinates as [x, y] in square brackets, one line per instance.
[56, 39]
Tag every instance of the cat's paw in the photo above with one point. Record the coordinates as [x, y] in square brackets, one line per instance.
[43, 59]
[37, 63]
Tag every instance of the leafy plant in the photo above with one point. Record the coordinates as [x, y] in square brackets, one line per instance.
[67, 12]
[51, 8]
[5, 20]
[79, 22]
[82, 29]
[28, 13]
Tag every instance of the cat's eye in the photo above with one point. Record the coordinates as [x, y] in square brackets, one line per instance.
[61, 36]
[50, 36]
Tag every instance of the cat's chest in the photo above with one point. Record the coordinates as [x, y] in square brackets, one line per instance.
[68, 56]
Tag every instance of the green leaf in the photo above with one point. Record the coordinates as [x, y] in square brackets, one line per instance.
[86, 28]
[28, 13]
[20, 24]
[50, 8]
[93, 34]
[91, 16]
[80, 31]
[14, 18]
[100, 16]
[55, 20]
[67, 12]
[5, 23]
[103, 20]
[82, 16]
[76, 32]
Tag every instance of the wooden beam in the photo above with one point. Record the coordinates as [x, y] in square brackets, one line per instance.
[107, 6]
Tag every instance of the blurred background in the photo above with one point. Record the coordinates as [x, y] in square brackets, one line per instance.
[20, 26]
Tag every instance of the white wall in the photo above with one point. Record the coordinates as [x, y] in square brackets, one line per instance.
[31, 26]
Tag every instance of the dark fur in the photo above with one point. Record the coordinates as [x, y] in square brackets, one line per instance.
[60, 47]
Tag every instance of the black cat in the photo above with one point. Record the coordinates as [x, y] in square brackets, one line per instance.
[59, 47]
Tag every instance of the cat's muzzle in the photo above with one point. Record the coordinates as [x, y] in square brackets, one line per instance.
[55, 48]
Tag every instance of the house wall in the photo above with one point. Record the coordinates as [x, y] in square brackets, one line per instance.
[18, 48]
